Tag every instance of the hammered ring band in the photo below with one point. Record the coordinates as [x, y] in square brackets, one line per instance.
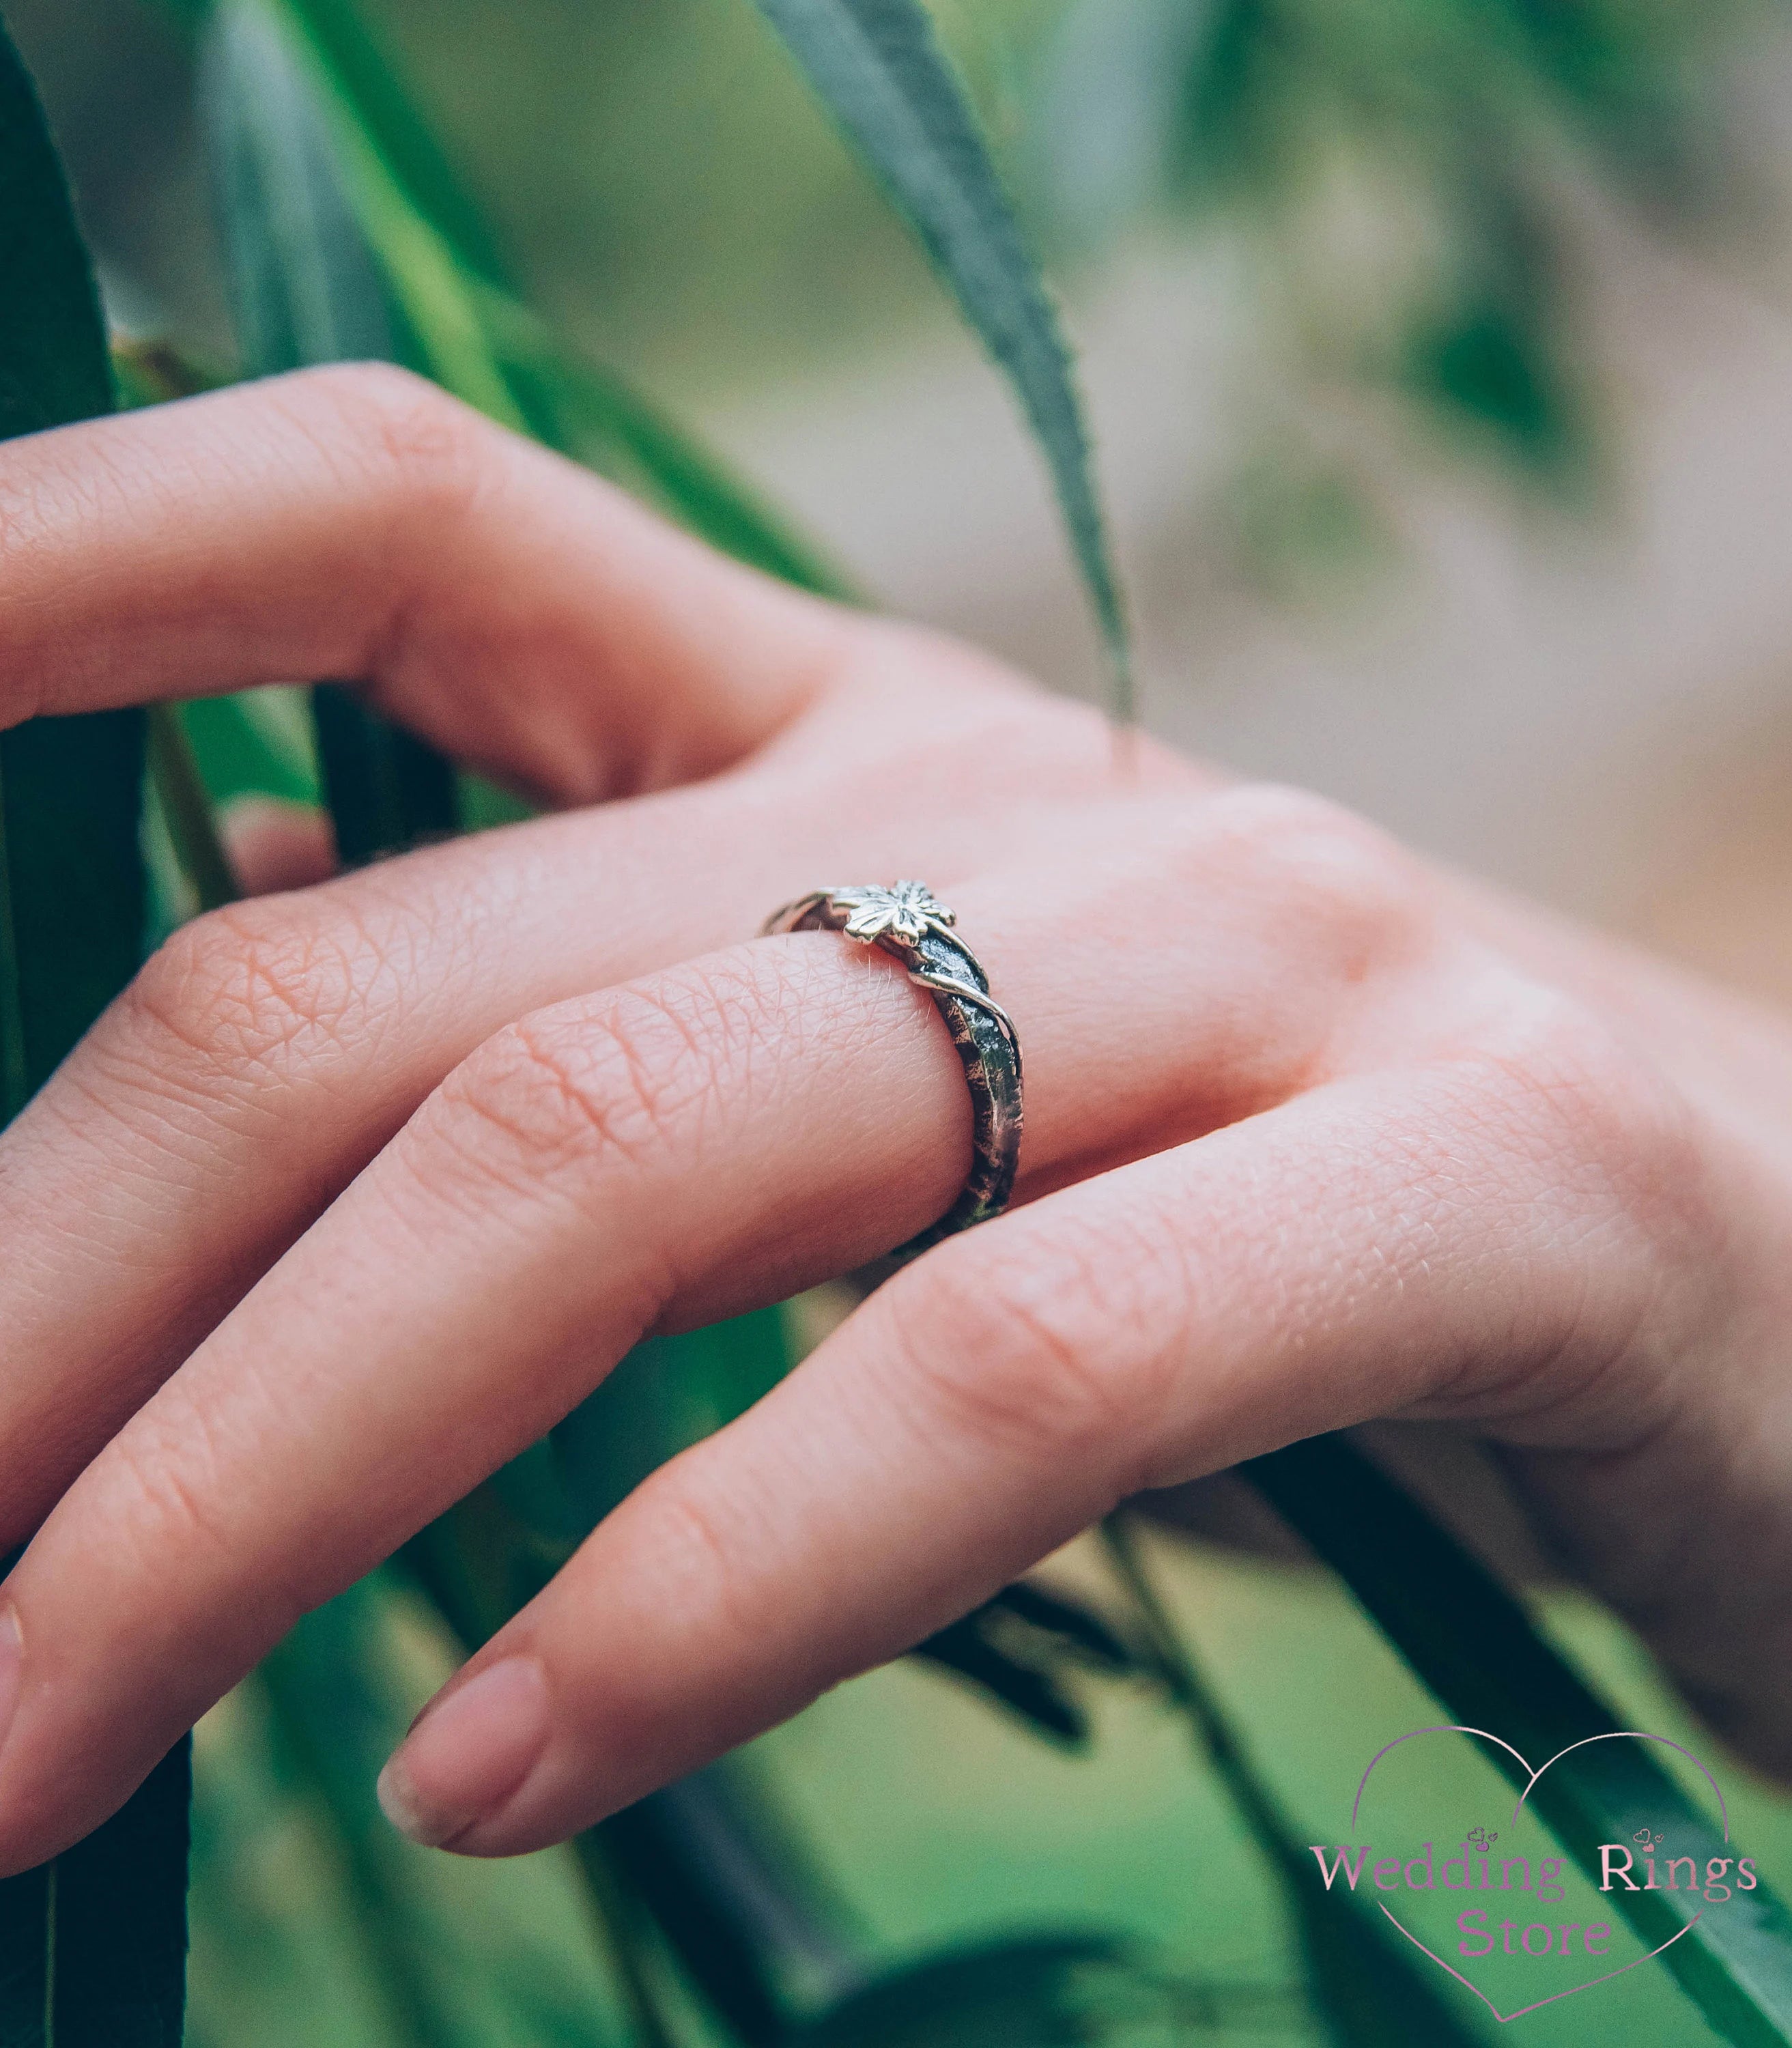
[908, 922]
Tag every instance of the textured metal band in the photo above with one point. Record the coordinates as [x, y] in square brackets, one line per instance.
[909, 924]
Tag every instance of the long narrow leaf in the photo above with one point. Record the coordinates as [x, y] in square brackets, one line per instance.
[336, 253]
[310, 289]
[304, 287]
[594, 415]
[1058, 1990]
[92, 1947]
[368, 81]
[71, 784]
[457, 322]
[879, 66]
[1365, 1985]
[1470, 1641]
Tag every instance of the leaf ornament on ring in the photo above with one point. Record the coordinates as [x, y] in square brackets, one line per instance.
[908, 911]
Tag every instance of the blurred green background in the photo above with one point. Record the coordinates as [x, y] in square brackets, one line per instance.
[1441, 361]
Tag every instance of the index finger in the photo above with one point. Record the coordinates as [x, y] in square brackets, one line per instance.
[356, 522]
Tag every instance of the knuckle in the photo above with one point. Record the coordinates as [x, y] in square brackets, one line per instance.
[430, 450]
[704, 1577]
[1582, 1097]
[169, 1485]
[1051, 1360]
[161, 1475]
[246, 994]
[698, 1553]
[1345, 881]
[980, 718]
[581, 1085]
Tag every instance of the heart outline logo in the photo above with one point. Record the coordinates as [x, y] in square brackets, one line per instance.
[1524, 1762]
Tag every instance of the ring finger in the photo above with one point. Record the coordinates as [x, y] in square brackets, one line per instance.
[269, 1051]
[664, 1153]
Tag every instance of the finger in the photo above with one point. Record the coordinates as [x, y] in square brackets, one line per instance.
[357, 522]
[712, 1137]
[273, 846]
[1378, 1247]
[268, 1052]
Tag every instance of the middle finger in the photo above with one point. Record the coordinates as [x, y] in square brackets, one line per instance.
[268, 1052]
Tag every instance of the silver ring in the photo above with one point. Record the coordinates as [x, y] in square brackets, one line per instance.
[909, 923]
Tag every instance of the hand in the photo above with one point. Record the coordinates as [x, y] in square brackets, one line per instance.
[359, 1189]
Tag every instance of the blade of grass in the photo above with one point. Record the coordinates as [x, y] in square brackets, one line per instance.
[1366, 1987]
[93, 1947]
[878, 67]
[1472, 1644]
[1051, 1991]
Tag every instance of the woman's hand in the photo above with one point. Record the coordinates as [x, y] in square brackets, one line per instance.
[359, 1189]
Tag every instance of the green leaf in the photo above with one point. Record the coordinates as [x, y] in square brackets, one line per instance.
[879, 66]
[73, 788]
[254, 742]
[304, 286]
[1366, 1988]
[68, 856]
[368, 80]
[332, 258]
[669, 1393]
[459, 324]
[1054, 1992]
[1473, 1645]
[93, 1946]
[736, 1898]
[53, 362]
[385, 790]
[591, 413]
[309, 289]
[335, 1730]
[1024, 1648]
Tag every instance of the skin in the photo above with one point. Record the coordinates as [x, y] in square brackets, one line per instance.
[364, 1185]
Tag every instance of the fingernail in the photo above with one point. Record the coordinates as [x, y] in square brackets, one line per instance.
[11, 1668]
[468, 1750]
